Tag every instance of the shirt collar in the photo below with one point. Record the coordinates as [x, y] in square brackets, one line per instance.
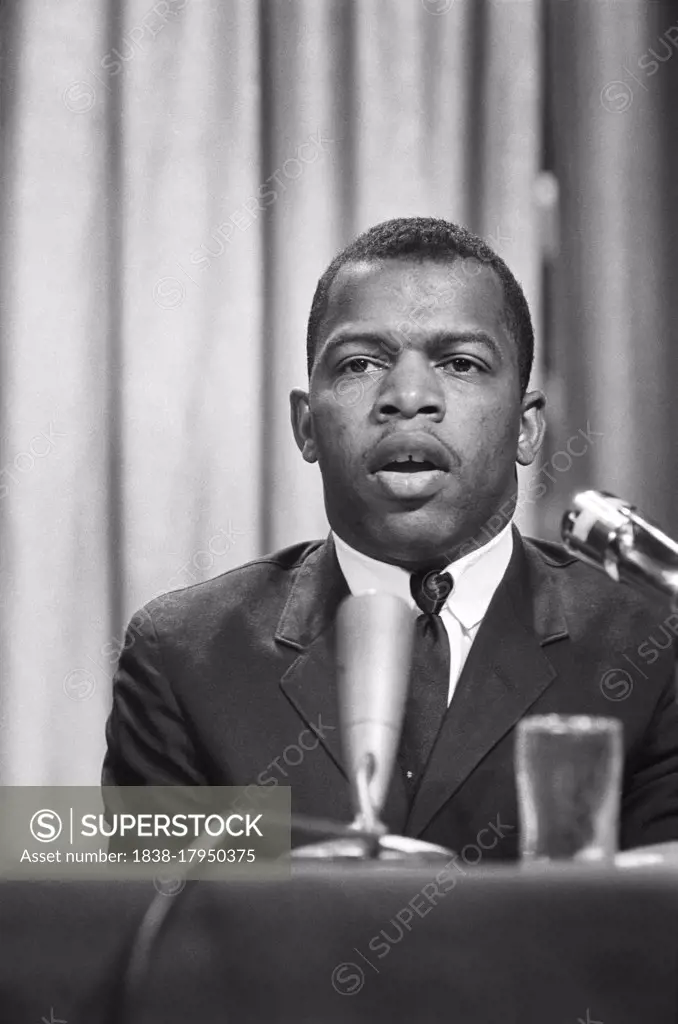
[476, 576]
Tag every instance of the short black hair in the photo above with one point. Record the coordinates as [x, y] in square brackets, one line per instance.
[428, 238]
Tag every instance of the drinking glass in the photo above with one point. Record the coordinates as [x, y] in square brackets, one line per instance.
[568, 776]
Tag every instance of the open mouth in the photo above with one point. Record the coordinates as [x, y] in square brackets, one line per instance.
[408, 467]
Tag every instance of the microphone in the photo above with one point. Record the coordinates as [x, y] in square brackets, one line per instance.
[608, 533]
[375, 632]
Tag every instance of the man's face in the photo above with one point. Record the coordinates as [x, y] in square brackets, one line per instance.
[414, 413]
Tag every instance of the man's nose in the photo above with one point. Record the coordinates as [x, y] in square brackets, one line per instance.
[410, 389]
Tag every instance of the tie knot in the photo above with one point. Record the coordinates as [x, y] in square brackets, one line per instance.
[431, 590]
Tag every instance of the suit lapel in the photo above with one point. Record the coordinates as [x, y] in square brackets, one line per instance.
[506, 671]
[308, 624]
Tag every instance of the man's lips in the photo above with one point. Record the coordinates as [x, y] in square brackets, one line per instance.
[423, 483]
[406, 453]
[409, 466]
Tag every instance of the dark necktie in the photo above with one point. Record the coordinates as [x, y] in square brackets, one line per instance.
[430, 675]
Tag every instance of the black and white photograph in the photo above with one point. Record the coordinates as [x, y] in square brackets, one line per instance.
[338, 511]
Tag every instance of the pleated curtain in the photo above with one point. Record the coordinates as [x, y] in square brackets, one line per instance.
[175, 179]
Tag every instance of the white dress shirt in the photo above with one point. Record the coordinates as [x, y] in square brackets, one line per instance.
[476, 577]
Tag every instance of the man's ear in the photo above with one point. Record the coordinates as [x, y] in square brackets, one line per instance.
[532, 427]
[302, 427]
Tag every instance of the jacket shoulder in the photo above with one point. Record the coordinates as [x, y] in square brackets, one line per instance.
[591, 600]
[250, 585]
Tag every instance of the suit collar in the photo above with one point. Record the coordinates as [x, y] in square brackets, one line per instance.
[532, 582]
[307, 624]
[317, 590]
[319, 587]
[476, 576]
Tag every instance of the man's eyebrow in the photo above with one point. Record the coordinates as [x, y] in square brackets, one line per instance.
[441, 339]
[387, 340]
[392, 340]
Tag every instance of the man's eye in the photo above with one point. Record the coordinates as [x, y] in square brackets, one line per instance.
[460, 364]
[359, 364]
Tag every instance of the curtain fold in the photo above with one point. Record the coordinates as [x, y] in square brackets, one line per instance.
[178, 177]
[191, 380]
[611, 338]
[55, 396]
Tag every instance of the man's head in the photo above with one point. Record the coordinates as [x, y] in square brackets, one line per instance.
[419, 347]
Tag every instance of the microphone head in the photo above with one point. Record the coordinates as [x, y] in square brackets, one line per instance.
[591, 529]
[374, 647]
[609, 534]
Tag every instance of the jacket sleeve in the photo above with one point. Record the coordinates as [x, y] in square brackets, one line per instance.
[650, 799]
[148, 741]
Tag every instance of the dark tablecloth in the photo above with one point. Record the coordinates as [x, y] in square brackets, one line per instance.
[337, 944]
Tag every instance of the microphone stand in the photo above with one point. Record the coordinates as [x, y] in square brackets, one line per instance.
[375, 652]
[372, 843]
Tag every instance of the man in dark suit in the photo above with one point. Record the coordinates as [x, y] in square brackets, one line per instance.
[420, 347]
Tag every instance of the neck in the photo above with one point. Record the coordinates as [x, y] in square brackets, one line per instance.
[456, 549]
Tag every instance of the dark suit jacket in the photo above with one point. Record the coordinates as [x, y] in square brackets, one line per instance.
[232, 682]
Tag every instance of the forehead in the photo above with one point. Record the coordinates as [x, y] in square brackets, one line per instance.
[459, 295]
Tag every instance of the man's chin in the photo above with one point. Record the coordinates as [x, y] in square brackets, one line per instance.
[417, 538]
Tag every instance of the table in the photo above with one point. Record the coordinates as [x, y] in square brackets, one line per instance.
[351, 944]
